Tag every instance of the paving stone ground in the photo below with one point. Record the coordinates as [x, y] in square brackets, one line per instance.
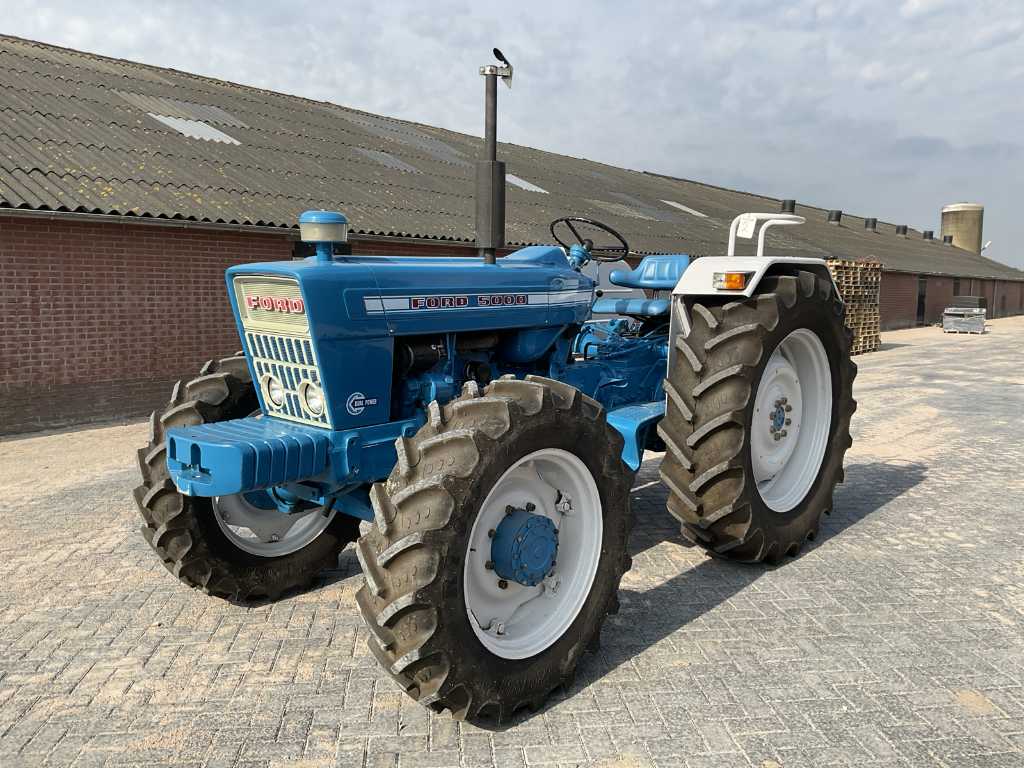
[897, 639]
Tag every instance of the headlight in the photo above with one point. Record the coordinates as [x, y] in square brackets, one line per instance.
[273, 389]
[312, 398]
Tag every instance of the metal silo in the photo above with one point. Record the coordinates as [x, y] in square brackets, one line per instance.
[964, 221]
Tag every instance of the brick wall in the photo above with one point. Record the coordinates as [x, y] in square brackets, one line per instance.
[100, 319]
[1009, 300]
[898, 300]
[898, 303]
[938, 297]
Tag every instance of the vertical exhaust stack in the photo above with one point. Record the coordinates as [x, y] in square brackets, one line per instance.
[901, 230]
[490, 172]
[788, 206]
[835, 217]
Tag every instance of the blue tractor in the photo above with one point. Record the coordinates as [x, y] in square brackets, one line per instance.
[485, 432]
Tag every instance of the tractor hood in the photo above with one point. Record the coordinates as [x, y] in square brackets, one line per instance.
[368, 295]
[336, 322]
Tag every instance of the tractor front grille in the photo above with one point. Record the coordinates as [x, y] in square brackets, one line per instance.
[279, 344]
[292, 360]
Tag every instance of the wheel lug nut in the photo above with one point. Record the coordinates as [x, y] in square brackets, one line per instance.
[778, 436]
[783, 433]
[489, 565]
[788, 422]
[509, 509]
[530, 506]
[491, 533]
[789, 408]
[502, 584]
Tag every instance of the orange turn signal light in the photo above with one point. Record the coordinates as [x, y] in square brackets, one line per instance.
[730, 281]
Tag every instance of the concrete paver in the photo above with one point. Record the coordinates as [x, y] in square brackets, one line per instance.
[896, 639]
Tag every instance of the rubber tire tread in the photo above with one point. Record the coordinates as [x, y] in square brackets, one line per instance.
[712, 383]
[412, 556]
[181, 529]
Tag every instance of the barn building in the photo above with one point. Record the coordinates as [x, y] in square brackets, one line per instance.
[126, 190]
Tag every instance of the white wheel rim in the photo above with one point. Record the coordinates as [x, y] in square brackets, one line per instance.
[267, 532]
[791, 421]
[519, 621]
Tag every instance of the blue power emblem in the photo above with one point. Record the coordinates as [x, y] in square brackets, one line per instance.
[524, 547]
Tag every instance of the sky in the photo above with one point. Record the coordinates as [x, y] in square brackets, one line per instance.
[885, 108]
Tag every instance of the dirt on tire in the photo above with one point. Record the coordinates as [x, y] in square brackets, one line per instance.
[412, 558]
[181, 529]
[710, 390]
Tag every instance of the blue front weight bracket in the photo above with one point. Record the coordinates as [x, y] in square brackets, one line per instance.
[229, 457]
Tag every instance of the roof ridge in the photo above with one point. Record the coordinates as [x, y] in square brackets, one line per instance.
[771, 198]
[314, 137]
[229, 83]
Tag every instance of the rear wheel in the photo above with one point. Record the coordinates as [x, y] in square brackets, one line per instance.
[759, 400]
[497, 548]
[240, 547]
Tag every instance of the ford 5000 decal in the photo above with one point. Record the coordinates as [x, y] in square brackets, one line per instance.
[382, 304]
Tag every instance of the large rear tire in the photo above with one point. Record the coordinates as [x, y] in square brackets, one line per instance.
[190, 534]
[426, 560]
[749, 476]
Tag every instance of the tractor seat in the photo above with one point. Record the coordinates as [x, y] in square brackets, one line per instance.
[631, 307]
[653, 273]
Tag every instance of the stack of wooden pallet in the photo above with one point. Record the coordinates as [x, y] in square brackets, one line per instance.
[859, 283]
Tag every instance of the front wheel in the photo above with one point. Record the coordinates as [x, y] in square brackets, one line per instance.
[497, 548]
[757, 420]
[242, 547]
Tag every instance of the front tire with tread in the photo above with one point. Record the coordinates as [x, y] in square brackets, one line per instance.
[182, 530]
[413, 599]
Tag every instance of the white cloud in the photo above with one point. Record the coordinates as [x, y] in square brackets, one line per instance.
[916, 80]
[994, 35]
[912, 9]
[874, 73]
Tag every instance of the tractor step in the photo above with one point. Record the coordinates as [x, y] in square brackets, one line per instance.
[633, 423]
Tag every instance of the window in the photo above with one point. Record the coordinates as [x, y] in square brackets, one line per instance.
[194, 129]
[524, 184]
[685, 208]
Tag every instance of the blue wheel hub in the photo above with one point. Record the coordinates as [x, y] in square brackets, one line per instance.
[524, 547]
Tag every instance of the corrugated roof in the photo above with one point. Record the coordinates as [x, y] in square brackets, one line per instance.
[78, 132]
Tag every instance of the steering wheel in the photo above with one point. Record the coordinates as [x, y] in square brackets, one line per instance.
[609, 253]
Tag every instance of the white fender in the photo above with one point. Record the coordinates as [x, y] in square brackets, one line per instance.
[699, 277]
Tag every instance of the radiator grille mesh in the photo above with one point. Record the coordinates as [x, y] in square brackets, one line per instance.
[279, 345]
[291, 359]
